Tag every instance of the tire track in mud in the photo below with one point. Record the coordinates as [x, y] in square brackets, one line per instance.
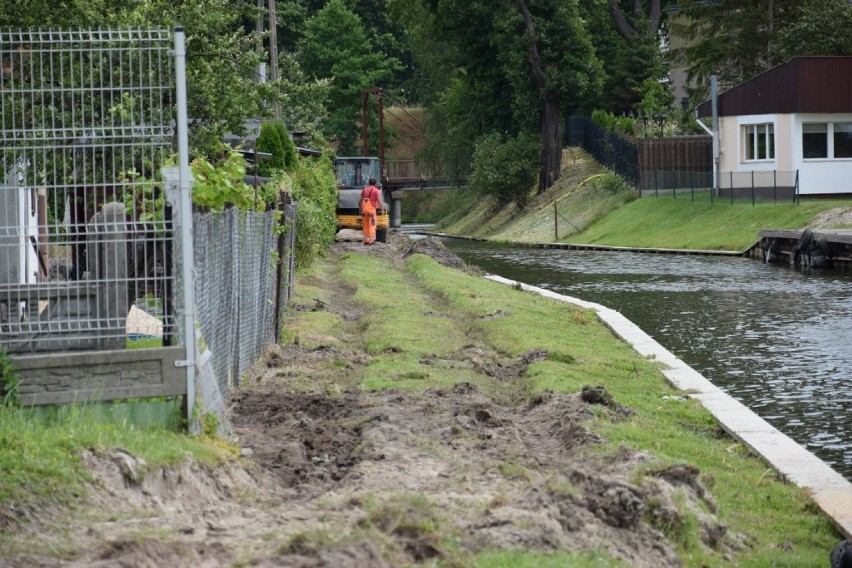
[351, 478]
[484, 474]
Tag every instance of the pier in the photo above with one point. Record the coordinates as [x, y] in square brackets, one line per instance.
[809, 248]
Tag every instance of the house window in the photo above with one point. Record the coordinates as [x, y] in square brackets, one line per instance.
[759, 141]
[815, 140]
[843, 139]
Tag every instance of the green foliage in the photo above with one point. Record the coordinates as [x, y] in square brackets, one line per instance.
[485, 82]
[336, 46]
[8, 380]
[821, 27]
[626, 64]
[275, 139]
[314, 187]
[223, 185]
[656, 98]
[609, 183]
[304, 100]
[609, 121]
[506, 168]
[144, 199]
[735, 40]
[603, 119]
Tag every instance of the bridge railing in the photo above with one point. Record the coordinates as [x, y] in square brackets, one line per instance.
[404, 170]
[408, 174]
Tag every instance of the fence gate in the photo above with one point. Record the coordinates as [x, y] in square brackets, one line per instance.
[86, 234]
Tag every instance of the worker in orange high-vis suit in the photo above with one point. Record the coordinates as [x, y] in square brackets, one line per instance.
[371, 201]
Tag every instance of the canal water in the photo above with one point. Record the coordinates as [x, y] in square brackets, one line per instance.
[777, 339]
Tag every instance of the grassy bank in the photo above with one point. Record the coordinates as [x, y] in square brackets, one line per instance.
[40, 453]
[419, 314]
[682, 223]
[598, 214]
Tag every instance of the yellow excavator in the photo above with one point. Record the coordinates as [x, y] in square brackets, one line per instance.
[353, 174]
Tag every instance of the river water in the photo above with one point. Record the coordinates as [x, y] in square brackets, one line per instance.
[777, 339]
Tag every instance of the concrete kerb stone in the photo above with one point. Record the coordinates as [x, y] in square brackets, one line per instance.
[831, 491]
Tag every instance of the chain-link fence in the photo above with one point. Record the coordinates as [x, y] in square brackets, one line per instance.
[244, 269]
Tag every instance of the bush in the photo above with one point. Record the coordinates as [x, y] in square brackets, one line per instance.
[314, 186]
[274, 139]
[604, 119]
[609, 182]
[507, 168]
[608, 121]
[222, 185]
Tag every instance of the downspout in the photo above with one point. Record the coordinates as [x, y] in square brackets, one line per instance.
[714, 97]
[713, 135]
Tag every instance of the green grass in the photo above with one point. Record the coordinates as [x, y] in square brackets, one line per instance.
[665, 222]
[594, 213]
[144, 342]
[523, 559]
[779, 520]
[39, 451]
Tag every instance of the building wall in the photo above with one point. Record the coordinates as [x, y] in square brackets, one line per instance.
[816, 176]
[824, 175]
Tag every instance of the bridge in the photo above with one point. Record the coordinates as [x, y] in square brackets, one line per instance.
[405, 175]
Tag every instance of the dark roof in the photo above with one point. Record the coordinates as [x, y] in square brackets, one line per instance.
[804, 84]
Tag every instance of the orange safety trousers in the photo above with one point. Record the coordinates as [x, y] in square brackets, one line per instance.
[368, 221]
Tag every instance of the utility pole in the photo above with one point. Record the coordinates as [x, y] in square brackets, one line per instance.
[365, 123]
[273, 52]
[260, 76]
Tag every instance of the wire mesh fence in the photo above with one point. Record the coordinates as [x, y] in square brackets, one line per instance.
[732, 187]
[243, 277]
[86, 235]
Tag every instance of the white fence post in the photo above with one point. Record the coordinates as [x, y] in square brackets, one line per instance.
[185, 216]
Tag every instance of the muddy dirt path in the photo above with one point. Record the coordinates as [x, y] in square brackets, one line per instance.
[335, 476]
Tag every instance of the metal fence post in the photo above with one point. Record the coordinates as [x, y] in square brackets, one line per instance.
[187, 253]
[555, 222]
[731, 189]
[775, 186]
[752, 188]
[796, 192]
[674, 184]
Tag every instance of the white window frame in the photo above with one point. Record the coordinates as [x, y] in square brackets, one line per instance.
[755, 130]
[829, 140]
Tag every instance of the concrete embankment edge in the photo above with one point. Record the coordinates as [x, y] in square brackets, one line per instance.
[600, 248]
[831, 491]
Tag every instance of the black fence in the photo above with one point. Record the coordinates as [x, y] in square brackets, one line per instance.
[734, 187]
[606, 147]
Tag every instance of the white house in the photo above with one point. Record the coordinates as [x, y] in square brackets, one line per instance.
[793, 120]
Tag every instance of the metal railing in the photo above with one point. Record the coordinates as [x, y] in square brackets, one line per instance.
[733, 187]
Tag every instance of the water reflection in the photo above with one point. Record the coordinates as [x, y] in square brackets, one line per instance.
[774, 338]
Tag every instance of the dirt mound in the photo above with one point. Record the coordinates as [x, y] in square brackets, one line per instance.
[833, 218]
[400, 246]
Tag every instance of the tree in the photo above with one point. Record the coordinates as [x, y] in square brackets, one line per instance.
[639, 26]
[731, 39]
[275, 140]
[335, 46]
[527, 61]
[819, 28]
